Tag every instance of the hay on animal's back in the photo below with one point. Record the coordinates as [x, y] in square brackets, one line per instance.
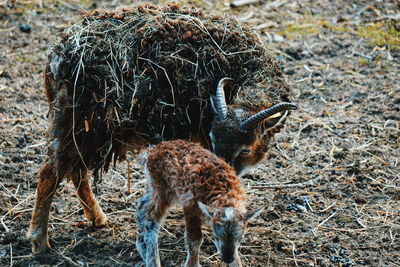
[147, 73]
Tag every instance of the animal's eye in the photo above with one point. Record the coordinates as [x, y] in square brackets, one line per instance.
[245, 151]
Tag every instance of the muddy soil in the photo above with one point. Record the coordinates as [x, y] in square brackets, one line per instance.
[331, 183]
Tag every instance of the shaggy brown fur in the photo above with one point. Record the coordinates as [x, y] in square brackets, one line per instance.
[178, 167]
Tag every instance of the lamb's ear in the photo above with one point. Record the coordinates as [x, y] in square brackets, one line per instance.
[253, 214]
[206, 210]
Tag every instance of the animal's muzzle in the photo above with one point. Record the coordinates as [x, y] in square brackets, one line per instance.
[228, 254]
[228, 259]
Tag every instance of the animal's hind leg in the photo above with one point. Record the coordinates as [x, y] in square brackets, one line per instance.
[141, 214]
[47, 185]
[91, 207]
[150, 215]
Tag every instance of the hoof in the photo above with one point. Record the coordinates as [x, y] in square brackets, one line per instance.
[40, 242]
[100, 221]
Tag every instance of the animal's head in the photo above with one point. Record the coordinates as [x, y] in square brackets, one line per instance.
[236, 136]
[228, 225]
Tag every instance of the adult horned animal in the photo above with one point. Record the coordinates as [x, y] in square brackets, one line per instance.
[118, 81]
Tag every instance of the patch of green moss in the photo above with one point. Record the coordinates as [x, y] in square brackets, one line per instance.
[306, 25]
[338, 27]
[382, 33]
[363, 61]
[21, 57]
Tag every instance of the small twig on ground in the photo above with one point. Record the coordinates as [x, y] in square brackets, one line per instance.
[282, 152]
[359, 12]
[395, 17]
[209, 257]
[307, 47]
[4, 225]
[11, 256]
[324, 221]
[356, 53]
[168, 232]
[281, 53]
[327, 208]
[67, 258]
[129, 176]
[307, 183]
[15, 119]
[386, 212]
[118, 175]
[360, 222]
[239, 3]
[273, 5]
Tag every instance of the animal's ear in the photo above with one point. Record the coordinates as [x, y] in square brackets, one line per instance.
[207, 211]
[253, 214]
[213, 103]
[273, 122]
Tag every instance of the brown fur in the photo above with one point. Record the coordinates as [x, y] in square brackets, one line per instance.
[178, 167]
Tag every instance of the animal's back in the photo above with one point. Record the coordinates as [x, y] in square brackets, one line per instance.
[187, 170]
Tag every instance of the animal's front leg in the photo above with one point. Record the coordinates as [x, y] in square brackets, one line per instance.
[193, 236]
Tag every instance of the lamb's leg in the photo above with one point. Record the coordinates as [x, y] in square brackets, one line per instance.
[47, 185]
[193, 236]
[141, 214]
[91, 207]
[150, 215]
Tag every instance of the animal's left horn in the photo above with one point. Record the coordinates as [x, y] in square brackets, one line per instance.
[220, 97]
[253, 121]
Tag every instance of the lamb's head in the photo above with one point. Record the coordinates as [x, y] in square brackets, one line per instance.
[236, 136]
[228, 225]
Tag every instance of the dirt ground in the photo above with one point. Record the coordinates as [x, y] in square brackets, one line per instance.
[331, 184]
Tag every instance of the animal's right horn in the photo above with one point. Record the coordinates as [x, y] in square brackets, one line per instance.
[253, 121]
[220, 97]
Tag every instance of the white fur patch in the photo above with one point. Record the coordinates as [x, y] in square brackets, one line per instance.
[240, 113]
[184, 198]
[147, 175]
[55, 66]
[143, 158]
[246, 170]
[229, 214]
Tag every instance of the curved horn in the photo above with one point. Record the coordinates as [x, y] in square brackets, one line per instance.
[254, 120]
[220, 97]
